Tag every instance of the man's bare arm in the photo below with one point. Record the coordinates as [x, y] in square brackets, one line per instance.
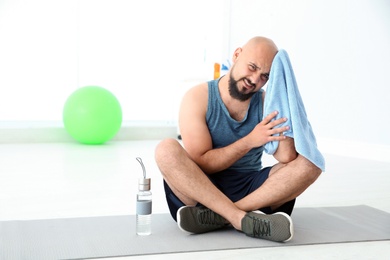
[197, 139]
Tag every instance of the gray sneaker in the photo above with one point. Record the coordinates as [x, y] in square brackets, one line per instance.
[198, 220]
[276, 227]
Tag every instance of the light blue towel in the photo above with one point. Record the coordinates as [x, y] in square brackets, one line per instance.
[283, 95]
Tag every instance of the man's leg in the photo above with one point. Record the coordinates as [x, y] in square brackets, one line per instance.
[286, 181]
[191, 185]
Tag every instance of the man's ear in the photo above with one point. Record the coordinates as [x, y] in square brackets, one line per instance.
[236, 53]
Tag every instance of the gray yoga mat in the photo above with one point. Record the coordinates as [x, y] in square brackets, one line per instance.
[94, 237]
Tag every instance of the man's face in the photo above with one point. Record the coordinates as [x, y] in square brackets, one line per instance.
[238, 92]
[252, 80]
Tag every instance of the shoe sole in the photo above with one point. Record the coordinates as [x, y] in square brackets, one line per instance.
[289, 220]
[178, 219]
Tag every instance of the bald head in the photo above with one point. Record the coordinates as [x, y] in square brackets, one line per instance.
[251, 67]
[259, 40]
[259, 51]
[260, 46]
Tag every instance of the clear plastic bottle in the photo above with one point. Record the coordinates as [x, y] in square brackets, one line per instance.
[144, 207]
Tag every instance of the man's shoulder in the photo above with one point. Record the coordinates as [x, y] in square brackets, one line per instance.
[198, 91]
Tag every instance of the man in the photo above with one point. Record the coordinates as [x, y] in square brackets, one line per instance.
[217, 178]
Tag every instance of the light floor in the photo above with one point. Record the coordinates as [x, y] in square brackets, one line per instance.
[57, 180]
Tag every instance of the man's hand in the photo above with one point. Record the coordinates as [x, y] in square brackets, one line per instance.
[265, 131]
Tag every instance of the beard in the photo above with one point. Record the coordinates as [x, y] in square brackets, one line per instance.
[235, 92]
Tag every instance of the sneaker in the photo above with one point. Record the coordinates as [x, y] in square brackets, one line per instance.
[276, 227]
[198, 220]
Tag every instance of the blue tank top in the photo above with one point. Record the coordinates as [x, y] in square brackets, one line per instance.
[225, 130]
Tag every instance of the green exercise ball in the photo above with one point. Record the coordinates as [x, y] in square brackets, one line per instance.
[92, 115]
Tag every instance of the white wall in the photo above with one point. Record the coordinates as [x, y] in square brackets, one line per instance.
[38, 61]
[340, 52]
[145, 50]
[142, 51]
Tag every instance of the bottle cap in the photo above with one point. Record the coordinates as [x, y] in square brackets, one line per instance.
[144, 184]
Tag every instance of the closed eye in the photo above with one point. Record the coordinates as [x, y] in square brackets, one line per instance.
[252, 67]
[264, 76]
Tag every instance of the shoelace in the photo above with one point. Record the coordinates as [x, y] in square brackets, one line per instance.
[261, 227]
[208, 217]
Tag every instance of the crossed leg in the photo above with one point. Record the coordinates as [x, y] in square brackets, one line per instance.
[191, 185]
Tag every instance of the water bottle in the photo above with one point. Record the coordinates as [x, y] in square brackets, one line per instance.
[144, 205]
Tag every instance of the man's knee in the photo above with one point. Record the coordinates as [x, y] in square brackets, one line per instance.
[311, 171]
[165, 148]
[167, 152]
